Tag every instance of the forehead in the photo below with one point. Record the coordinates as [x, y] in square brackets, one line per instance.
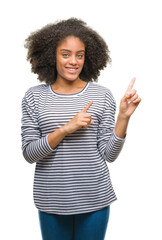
[71, 43]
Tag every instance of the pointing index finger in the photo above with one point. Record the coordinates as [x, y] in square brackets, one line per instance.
[87, 107]
[131, 84]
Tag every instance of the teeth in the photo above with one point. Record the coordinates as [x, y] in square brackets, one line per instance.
[72, 69]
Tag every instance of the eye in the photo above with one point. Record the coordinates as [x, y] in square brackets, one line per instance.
[80, 56]
[65, 55]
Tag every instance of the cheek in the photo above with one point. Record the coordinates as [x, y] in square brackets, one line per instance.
[83, 63]
[60, 63]
[83, 60]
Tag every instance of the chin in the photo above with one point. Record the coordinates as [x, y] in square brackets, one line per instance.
[71, 78]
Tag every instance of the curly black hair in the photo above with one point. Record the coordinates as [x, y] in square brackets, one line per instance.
[42, 45]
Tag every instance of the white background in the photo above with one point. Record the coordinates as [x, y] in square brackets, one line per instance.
[132, 30]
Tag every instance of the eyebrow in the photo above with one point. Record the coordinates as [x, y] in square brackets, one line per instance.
[70, 51]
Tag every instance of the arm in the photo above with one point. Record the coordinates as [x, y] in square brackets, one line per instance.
[108, 143]
[34, 146]
[56, 137]
[121, 126]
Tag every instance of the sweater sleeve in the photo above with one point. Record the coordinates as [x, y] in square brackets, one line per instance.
[34, 147]
[109, 144]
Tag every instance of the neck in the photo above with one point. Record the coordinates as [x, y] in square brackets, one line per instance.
[69, 84]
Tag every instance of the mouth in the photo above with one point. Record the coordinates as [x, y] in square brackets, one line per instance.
[72, 70]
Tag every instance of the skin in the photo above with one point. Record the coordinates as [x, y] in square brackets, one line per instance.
[70, 55]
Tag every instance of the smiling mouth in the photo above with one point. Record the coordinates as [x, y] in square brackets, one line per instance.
[72, 70]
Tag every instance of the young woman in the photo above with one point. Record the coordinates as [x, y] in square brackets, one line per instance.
[69, 130]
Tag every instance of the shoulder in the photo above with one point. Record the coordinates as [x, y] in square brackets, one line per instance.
[37, 89]
[32, 94]
[104, 91]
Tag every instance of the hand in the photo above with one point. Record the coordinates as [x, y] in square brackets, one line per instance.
[81, 119]
[129, 102]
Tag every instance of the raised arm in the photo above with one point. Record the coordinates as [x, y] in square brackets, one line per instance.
[128, 105]
[108, 143]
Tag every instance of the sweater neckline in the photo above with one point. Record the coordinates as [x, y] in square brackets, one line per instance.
[69, 95]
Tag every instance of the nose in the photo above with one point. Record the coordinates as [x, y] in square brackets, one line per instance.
[73, 60]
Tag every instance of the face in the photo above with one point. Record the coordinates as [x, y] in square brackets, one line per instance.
[70, 55]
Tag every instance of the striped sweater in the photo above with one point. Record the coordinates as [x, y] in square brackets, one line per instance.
[73, 177]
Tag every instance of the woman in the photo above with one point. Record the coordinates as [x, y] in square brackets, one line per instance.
[69, 130]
